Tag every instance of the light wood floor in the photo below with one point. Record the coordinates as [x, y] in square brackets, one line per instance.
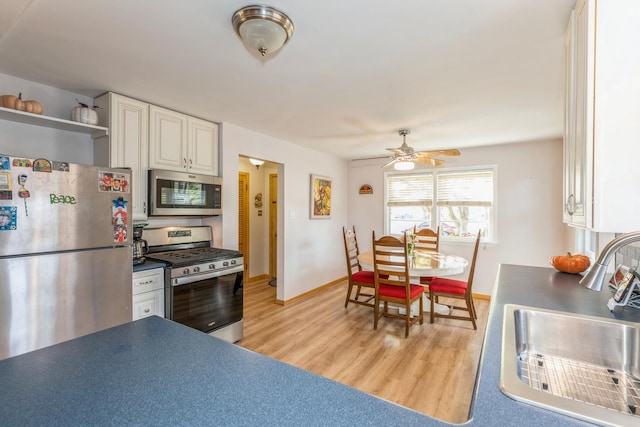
[433, 371]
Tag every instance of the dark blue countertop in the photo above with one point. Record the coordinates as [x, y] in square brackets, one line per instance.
[156, 372]
[148, 265]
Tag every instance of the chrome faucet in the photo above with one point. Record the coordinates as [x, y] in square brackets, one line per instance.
[595, 276]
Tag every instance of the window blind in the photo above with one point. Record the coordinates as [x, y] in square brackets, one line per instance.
[410, 190]
[474, 188]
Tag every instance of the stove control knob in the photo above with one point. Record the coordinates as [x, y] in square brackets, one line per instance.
[225, 264]
[196, 269]
[212, 266]
[186, 271]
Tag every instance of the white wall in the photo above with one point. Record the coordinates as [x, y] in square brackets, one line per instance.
[529, 206]
[310, 252]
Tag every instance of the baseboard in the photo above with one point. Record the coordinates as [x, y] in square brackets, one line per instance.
[311, 292]
[258, 278]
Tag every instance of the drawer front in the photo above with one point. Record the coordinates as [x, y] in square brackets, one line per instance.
[148, 304]
[149, 280]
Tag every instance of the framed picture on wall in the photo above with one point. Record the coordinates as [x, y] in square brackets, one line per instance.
[320, 197]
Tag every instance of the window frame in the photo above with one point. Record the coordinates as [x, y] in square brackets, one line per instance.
[492, 234]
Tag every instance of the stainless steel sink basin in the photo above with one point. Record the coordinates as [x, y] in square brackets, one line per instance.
[582, 366]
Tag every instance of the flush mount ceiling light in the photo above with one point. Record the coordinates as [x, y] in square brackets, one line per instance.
[262, 28]
[257, 163]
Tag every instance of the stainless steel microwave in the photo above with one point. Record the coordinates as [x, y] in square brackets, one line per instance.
[184, 194]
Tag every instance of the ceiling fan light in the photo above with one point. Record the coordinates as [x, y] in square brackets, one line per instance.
[404, 166]
[262, 28]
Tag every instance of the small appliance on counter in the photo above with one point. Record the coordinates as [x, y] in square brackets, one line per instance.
[139, 246]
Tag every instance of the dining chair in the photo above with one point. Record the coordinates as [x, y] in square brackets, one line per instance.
[458, 289]
[358, 278]
[392, 282]
[426, 240]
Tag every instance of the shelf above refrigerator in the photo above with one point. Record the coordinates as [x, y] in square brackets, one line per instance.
[51, 122]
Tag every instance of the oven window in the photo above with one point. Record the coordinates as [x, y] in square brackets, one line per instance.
[208, 304]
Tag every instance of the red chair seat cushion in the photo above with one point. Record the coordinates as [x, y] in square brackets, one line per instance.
[363, 276]
[427, 278]
[450, 286]
[398, 291]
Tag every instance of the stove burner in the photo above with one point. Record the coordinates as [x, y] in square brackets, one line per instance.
[194, 255]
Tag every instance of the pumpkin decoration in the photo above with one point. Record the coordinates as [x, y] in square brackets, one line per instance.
[8, 101]
[84, 114]
[569, 263]
[16, 103]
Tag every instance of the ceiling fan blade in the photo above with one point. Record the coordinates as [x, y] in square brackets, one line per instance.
[387, 164]
[452, 152]
[396, 151]
[430, 161]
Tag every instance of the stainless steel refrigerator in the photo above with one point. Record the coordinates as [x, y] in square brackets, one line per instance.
[65, 251]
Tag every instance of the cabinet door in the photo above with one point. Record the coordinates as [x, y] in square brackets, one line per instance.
[167, 139]
[202, 147]
[569, 123]
[583, 136]
[128, 141]
[148, 304]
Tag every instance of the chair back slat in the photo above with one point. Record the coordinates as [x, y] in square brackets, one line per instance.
[351, 250]
[426, 239]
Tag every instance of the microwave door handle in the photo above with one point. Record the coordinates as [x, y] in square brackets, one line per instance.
[190, 279]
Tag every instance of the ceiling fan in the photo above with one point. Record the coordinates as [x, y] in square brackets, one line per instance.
[405, 156]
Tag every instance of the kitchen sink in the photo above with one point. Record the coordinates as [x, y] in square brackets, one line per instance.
[582, 366]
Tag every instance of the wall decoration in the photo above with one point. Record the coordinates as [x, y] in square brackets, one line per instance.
[258, 200]
[366, 189]
[320, 197]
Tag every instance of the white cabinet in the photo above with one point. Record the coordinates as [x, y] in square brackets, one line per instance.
[602, 130]
[127, 143]
[574, 176]
[182, 143]
[148, 293]
[202, 146]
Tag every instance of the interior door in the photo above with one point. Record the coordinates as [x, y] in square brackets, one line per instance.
[243, 219]
[273, 225]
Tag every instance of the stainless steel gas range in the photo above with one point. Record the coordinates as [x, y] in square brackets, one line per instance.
[203, 284]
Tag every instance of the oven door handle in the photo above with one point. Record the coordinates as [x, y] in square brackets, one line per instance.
[190, 279]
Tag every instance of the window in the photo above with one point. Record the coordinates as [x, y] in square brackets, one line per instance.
[459, 201]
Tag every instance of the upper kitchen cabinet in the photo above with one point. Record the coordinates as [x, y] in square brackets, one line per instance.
[182, 143]
[602, 132]
[127, 143]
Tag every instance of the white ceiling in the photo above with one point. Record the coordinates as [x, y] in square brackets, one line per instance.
[458, 73]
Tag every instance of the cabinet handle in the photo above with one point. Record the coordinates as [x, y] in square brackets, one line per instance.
[144, 207]
[570, 204]
[184, 162]
[146, 310]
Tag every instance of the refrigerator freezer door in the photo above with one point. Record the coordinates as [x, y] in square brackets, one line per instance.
[47, 299]
[76, 207]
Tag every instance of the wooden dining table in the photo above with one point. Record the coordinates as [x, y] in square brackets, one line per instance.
[425, 263]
